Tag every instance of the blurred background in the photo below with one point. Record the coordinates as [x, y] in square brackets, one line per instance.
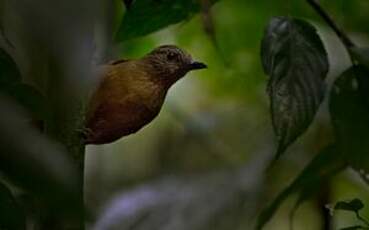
[218, 121]
[201, 164]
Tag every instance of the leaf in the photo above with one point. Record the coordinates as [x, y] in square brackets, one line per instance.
[354, 205]
[361, 55]
[9, 73]
[325, 165]
[35, 163]
[147, 16]
[294, 57]
[11, 215]
[349, 110]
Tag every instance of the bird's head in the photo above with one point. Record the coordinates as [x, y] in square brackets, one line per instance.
[172, 63]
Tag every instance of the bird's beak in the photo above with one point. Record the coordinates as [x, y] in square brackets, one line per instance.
[197, 65]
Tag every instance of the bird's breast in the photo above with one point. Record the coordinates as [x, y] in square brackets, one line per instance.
[123, 106]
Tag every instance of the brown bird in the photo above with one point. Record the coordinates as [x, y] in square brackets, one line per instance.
[131, 92]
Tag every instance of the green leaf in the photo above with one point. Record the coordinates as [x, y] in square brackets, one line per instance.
[147, 16]
[349, 110]
[35, 162]
[361, 55]
[325, 165]
[354, 205]
[294, 57]
[9, 73]
[11, 215]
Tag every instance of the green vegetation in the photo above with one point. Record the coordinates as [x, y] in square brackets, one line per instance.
[268, 137]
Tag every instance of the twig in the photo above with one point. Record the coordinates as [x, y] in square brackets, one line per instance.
[362, 219]
[348, 43]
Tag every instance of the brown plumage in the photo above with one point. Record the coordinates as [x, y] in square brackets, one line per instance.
[131, 93]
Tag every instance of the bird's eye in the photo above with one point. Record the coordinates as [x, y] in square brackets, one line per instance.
[171, 56]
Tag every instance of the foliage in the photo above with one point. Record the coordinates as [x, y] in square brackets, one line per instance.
[321, 168]
[147, 16]
[301, 97]
[361, 54]
[42, 105]
[350, 94]
[25, 159]
[296, 61]
[354, 206]
[36, 159]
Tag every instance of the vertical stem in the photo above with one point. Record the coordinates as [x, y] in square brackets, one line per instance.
[347, 42]
[67, 118]
[329, 20]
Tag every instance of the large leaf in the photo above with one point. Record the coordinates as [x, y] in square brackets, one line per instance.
[34, 162]
[321, 168]
[294, 57]
[147, 16]
[350, 116]
[12, 216]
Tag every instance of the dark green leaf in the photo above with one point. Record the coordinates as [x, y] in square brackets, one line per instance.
[12, 216]
[354, 205]
[34, 162]
[9, 73]
[294, 57]
[147, 16]
[322, 167]
[350, 116]
[361, 55]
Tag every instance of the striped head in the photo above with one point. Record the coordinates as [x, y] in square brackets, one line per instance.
[172, 63]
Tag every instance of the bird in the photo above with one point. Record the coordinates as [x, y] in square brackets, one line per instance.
[130, 93]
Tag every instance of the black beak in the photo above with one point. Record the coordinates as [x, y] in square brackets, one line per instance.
[197, 65]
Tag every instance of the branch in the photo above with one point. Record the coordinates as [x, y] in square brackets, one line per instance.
[362, 219]
[348, 43]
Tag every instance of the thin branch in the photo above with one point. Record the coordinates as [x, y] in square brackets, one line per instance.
[329, 20]
[362, 219]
